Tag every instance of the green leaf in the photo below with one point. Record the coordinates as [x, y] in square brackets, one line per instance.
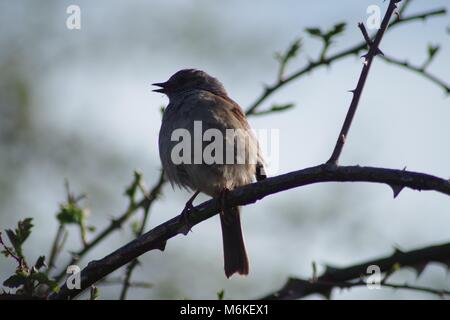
[15, 281]
[20, 234]
[71, 213]
[42, 278]
[282, 107]
[14, 240]
[315, 32]
[432, 50]
[337, 29]
[40, 262]
[24, 229]
[131, 190]
[221, 294]
[328, 35]
[95, 293]
[275, 108]
[136, 227]
[293, 49]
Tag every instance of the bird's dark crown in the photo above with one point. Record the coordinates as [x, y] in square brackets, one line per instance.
[190, 79]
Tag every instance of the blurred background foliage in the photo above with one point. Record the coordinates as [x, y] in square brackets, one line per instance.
[78, 105]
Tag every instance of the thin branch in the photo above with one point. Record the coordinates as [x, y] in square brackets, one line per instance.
[20, 260]
[157, 237]
[56, 247]
[403, 7]
[151, 197]
[419, 16]
[313, 65]
[119, 281]
[296, 288]
[373, 51]
[405, 286]
[420, 70]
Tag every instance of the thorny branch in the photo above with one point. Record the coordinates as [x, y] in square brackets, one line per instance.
[269, 90]
[373, 51]
[420, 70]
[348, 285]
[418, 259]
[157, 237]
[58, 244]
[151, 197]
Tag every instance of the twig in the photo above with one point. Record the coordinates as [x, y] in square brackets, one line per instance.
[56, 247]
[419, 16]
[403, 7]
[347, 285]
[420, 70]
[157, 237]
[20, 260]
[296, 288]
[151, 197]
[312, 65]
[119, 281]
[373, 51]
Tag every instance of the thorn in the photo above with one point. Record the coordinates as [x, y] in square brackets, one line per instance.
[396, 189]
[342, 138]
[379, 52]
[364, 56]
[419, 268]
[161, 246]
[185, 229]
[352, 91]
[397, 251]
[327, 294]
[314, 275]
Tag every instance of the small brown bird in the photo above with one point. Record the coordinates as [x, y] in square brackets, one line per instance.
[198, 103]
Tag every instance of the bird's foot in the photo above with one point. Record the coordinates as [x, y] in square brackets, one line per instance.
[223, 201]
[184, 218]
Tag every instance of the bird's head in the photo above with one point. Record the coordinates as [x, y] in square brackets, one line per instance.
[190, 79]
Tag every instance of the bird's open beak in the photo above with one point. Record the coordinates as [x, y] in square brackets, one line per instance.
[162, 85]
